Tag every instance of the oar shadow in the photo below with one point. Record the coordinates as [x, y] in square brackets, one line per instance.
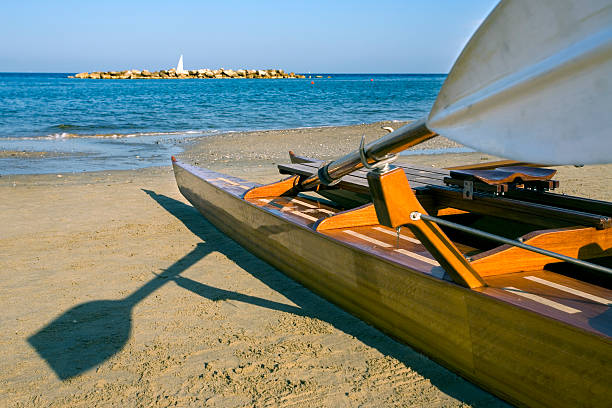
[92, 332]
[310, 304]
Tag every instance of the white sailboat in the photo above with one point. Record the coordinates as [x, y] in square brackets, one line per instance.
[179, 66]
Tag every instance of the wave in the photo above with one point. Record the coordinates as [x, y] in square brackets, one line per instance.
[65, 135]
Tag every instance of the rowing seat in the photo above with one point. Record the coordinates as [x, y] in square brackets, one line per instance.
[504, 179]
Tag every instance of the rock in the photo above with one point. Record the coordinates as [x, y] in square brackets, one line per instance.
[262, 73]
[241, 72]
[105, 76]
[145, 73]
[136, 72]
[209, 73]
[193, 72]
[82, 75]
[94, 75]
[230, 73]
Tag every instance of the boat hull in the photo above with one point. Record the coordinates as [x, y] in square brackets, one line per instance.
[521, 356]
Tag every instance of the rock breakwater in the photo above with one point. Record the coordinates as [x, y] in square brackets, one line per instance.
[196, 73]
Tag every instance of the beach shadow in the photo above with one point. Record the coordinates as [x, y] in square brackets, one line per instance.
[312, 305]
[90, 333]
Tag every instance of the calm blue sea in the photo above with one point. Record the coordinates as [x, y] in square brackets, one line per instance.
[126, 124]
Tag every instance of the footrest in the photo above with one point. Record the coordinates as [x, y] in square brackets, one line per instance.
[504, 179]
[501, 175]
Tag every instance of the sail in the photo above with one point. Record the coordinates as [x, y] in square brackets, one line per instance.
[537, 87]
[179, 66]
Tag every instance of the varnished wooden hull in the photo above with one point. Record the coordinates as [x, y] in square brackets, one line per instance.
[524, 357]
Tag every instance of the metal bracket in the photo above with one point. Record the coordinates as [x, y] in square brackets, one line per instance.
[381, 165]
[324, 177]
[468, 189]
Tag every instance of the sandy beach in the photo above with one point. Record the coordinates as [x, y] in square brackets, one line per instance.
[116, 292]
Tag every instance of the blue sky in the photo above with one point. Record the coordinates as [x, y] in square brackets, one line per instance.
[315, 36]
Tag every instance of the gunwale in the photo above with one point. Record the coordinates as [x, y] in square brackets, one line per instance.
[489, 325]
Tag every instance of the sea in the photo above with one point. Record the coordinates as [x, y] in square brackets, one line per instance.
[91, 125]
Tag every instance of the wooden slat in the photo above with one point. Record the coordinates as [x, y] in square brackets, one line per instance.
[358, 178]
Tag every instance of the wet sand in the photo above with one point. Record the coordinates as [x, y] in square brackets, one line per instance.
[25, 154]
[116, 292]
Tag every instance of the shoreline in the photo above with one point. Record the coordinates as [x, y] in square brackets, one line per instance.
[254, 154]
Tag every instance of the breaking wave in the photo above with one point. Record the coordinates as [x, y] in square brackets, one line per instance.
[66, 135]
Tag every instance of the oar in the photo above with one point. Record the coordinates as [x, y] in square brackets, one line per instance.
[534, 83]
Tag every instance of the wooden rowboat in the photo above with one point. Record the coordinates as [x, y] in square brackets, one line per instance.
[534, 334]
[529, 320]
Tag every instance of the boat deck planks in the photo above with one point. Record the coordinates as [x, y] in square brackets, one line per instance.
[514, 288]
[562, 305]
[383, 242]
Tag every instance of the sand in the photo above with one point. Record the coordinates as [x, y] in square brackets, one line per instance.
[116, 292]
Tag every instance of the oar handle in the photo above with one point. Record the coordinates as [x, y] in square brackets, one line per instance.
[396, 141]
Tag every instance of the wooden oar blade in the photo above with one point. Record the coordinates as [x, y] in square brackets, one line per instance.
[534, 84]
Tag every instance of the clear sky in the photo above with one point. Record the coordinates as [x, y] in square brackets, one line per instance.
[402, 36]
